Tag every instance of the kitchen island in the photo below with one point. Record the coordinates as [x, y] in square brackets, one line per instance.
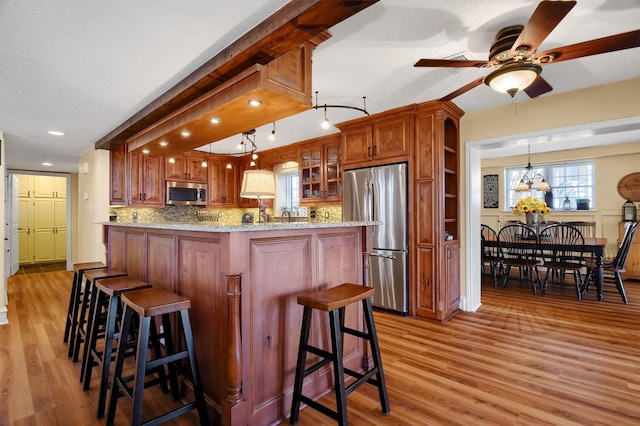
[243, 282]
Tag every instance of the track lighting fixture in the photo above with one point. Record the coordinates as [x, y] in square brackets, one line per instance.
[272, 136]
[326, 124]
[249, 137]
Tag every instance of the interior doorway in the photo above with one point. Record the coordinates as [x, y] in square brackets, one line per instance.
[43, 240]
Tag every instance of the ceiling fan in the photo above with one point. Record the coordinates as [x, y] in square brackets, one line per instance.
[513, 57]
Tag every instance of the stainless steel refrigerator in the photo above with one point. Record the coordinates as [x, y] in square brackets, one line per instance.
[380, 194]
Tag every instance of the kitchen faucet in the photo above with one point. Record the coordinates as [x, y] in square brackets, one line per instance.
[288, 213]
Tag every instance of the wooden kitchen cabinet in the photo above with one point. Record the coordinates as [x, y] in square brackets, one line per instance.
[186, 168]
[633, 258]
[223, 182]
[375, 140]
[147, 180]
[435, 288]
[118, 183]
[320, 169]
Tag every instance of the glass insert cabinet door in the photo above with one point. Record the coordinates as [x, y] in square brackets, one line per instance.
[321, 173]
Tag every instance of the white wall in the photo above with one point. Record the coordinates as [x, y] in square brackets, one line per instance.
[93, 205]
[3, 282]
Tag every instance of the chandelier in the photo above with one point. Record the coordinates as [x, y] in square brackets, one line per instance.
[527, 181]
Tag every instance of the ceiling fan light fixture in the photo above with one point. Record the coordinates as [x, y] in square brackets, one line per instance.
[513, 78]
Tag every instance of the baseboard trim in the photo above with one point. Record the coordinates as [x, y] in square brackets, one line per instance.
[3, 315]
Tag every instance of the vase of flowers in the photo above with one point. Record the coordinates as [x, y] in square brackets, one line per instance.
[533, 208]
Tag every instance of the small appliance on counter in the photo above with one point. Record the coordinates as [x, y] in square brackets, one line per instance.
[247, 217]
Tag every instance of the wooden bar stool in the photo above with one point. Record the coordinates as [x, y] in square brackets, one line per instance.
[75, 299]
[334, 301]
[86, 316]
[147, 304]
[105, 296]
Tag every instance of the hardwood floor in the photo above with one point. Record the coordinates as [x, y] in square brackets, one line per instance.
[519, 360]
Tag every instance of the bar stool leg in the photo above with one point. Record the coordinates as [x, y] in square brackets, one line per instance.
[74, 350]
[375, 353]
[72, 309]
[195, 373]
[117, 372]
[300, 364]
[139, 374]
[338, 368]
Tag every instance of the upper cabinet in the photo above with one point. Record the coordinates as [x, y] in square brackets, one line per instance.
[320, 168]
[381, 139]
[118, 161]
[50, 187]
[147, 180]
[186, 168]
[223, 182]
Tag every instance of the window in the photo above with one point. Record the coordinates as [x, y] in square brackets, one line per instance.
[572, 181]
[293, 191]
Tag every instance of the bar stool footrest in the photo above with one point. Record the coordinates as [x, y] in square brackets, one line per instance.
[319, 407]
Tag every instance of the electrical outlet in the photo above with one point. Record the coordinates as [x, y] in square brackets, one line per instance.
[134, 215]
[326, 215]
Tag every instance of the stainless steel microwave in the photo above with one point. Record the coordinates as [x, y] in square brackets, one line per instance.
[186, 194]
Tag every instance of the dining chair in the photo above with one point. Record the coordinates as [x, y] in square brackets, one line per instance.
[490, 253]
[527, 259]
[613, 270]
[564, 259]
[588, 229]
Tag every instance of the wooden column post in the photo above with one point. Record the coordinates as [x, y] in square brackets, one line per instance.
[234, 362]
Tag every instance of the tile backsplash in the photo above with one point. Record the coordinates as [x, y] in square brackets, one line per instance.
[186, 214]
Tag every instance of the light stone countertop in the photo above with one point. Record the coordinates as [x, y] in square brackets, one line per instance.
[212, 227]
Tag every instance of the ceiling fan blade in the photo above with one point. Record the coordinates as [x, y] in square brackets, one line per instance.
[462, 90]
[538, 87]
[545, 18]
[450, 63]
[594, 47]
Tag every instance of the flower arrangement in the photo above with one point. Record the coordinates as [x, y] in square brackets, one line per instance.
[531, 205]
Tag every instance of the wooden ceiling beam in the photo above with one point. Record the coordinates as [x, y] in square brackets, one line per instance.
[295, 23]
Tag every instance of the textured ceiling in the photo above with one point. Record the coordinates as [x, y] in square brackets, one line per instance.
[86, 67]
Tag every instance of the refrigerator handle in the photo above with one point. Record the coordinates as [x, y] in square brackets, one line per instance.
[367, 201]
[386, 256]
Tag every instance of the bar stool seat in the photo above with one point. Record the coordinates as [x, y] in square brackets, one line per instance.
[86, 315]
[333, 301]
[75, 299]
[105, 296]
[147, 304]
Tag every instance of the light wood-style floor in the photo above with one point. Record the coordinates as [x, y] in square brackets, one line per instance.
[520, 360]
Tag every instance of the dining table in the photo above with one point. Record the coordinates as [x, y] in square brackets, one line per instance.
[595, 246]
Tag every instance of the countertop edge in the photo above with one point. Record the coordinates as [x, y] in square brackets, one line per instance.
[240, 228]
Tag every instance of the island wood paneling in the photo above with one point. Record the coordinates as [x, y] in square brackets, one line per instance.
[275, 266]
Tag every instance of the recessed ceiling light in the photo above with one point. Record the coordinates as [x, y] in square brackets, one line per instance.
[46, 163]
[255, 102]
[145, 150]
[216, 120]
[55, 133]
[164, 143]
[186, 133]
